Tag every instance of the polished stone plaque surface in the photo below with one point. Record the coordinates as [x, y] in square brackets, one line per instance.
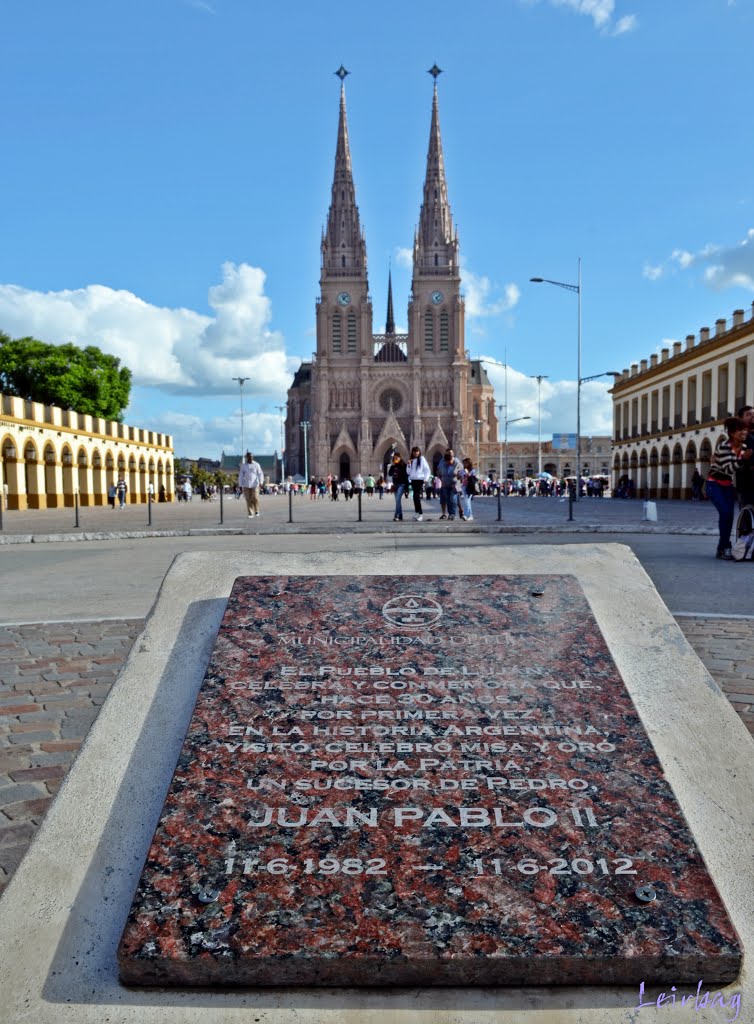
[420, 780]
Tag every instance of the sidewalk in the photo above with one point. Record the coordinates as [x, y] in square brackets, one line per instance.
[519, 515]
[54, 679]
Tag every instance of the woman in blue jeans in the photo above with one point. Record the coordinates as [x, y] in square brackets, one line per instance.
[729, 456]
[398, 473]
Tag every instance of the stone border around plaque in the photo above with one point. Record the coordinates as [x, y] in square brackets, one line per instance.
[63, 914]
[391, 781]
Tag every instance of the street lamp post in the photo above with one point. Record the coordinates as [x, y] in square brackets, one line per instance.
[281, 410]
[583, 380]
[517, 419]
[539, 377]
[305, 424]
[478, 428]
[500, 421]
[500, 408]
[573, 288]
[241, 382]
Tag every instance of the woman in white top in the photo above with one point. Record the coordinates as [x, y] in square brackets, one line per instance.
[418, 474]
[468, 489]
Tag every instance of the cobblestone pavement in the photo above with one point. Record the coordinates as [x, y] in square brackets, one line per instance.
[592, 515]
[55, 677]
[53, 681]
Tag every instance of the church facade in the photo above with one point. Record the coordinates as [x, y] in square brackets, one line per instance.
[364, 394]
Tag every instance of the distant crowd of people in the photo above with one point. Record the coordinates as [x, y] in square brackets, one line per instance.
[456, 482]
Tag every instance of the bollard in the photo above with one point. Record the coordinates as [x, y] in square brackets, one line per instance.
[570, 504]
[221, 504]
[290, 504]
[359, 497]
[76, 505]
[149, 509]
[499, 506]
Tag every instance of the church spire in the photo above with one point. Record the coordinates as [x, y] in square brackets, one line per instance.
[343, 246]
[390, 321]
[435, 245]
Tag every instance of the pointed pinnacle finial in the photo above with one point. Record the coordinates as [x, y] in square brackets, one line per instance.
[390, 320]
[434, 71]
[341, 73]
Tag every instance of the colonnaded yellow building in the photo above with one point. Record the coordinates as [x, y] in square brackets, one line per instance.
[49, 455]
[669, 411]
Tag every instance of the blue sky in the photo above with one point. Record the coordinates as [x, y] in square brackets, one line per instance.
[167, 164]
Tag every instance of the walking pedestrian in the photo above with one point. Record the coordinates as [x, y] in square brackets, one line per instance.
[450, 471]
[250, 479]
[730, 455]
[122, 490]
[418, 474]
[469, 485]
[398, 473]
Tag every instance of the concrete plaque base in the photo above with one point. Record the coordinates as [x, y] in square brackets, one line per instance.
[420, 780]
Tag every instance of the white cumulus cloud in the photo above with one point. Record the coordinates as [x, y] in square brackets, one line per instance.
[721, 266]
[177, 350]
[600, 11]
[627, 24]
[404, 257]
[210, 436]
[202, 5]
[558, 403]
[485, 299]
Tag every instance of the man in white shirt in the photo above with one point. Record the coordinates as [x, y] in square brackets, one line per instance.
[250, 479]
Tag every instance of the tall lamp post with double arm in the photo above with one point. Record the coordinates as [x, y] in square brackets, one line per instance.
[573, 288]
[305, 424]
[241, 382]
[539, 377]
[517, 419]
[500, 426]
[583, 380]
[281, 409]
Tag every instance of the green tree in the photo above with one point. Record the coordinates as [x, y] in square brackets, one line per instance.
[86, 380]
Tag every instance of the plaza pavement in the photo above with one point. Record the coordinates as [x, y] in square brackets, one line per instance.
[590, 515]
[54, 677]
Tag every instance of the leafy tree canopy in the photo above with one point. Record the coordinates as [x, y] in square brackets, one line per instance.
[86, 380]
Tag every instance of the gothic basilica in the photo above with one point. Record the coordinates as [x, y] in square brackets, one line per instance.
[364, 394]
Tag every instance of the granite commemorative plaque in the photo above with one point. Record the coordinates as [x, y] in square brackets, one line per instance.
[420, 780]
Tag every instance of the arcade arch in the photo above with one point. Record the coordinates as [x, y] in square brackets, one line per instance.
[132, 480]
[664, 487]
[99, 491]
[83, 477]
[705, 457]
[66, 458]
[676, 473]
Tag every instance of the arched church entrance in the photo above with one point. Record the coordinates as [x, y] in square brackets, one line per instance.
[345, 467]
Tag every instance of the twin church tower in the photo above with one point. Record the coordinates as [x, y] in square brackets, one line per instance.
[364, 394]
